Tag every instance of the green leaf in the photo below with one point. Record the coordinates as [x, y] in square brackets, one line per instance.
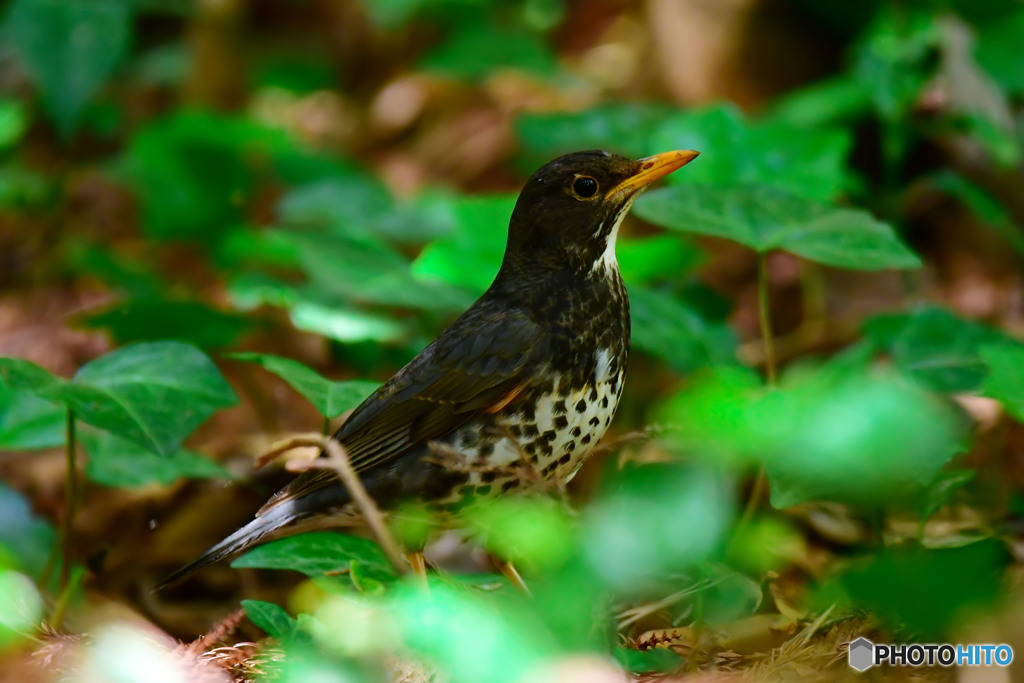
[896, 58]
[69, 49]
[114, 461]
[274, 620]
[833, 438]
[330, 398]
[764, 218]
[13, 122]
[155, 393]
[153, 318]
[535, 533]
[660, 660]
[471, 254]
[318, 553]
[477, 50]
[28, 537]
[833, 100]
[997, 50]
[365, 269]
[899, 586]
[942, 490]
[344, 324]
[621, 128]
[808, 162]
[28, 422]
[686, 512]
[193, 172]
[936, 347]
[645, 260]
[669, 329]
[1005, 379]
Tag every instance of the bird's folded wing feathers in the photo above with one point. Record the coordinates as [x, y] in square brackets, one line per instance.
[479, 365]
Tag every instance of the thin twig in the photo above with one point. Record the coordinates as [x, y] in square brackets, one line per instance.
[337, 460]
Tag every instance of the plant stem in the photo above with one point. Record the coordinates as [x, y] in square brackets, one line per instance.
[764, 314]
[70, 499]
[765, 317]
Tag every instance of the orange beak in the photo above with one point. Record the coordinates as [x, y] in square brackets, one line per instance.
[654, 167]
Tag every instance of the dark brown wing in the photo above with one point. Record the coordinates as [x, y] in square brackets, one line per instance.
[478, 365]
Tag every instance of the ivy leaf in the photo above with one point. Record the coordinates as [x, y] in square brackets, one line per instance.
[1005, 379]
[69, 48]
[476, 50]
[156, 318]
[114, 461]
[154, 394]
[621, 128]
[471, 254]
[936, 347]
[645, 260]
[809, 162]
[318, 553]
[765, 218]
[329, 398]
[273, 619]
[669, 329]
[28, 422]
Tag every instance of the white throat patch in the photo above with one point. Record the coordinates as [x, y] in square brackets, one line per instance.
[608, 262]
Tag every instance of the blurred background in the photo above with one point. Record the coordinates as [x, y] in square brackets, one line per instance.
[821, 421]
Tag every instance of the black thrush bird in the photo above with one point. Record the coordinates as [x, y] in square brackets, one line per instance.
[529, 376]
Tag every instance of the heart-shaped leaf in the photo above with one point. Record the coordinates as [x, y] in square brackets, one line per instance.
[154, 394]
[114, 461]
[669, 329]
[273, 619]
[621, 128]
[765, 218]
[936, 347]
[318, 553]
[28, 422]
[330, 398]
[808, 162]
[69, 48]
[1005, 380]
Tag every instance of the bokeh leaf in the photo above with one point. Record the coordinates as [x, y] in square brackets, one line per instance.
[330, 398]
[470, 255]
[28, 422]
[616, 127]
[69, 48]
[764, 218]
[1005, 379]
[935, 346]
[806, 162]
[669, 329]
[155, 318]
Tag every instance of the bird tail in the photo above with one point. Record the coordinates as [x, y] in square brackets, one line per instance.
[272, 520]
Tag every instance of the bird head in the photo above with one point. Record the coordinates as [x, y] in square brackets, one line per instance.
[568, 213]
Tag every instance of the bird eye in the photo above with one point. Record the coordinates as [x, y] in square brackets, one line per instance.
[584, 187]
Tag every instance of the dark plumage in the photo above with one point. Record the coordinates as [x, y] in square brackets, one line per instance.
[531, 373]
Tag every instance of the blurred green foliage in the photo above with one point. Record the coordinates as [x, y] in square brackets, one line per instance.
[280, 233]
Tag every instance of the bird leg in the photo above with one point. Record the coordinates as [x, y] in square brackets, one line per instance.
[510, 572]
